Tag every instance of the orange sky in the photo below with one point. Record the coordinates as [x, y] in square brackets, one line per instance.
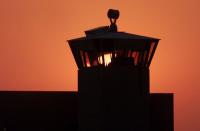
[34, 54]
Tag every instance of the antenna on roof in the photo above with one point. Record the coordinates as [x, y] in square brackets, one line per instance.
[113, 15]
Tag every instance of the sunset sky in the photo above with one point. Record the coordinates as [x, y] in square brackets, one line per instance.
[34, 54]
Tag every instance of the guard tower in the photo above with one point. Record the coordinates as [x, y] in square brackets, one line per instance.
[113, 81]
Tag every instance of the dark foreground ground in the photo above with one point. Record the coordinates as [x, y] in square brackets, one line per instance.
[57, 111]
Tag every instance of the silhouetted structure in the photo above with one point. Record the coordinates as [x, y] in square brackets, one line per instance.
[57, 111]
[113, 82]
[38, 111]
[113, 90]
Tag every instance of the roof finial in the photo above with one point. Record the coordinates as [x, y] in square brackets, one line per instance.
[113, 15]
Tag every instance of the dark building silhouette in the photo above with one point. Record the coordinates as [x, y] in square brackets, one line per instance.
[113, 90]
[57, 111]
[113, 82]
[38, 111]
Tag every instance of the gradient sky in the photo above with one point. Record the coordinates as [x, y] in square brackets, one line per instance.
[34, 54]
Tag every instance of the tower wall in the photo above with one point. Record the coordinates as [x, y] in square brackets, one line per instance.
[113, 99]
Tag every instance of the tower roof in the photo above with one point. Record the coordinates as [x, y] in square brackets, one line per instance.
[107, 38]
[102, 33]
